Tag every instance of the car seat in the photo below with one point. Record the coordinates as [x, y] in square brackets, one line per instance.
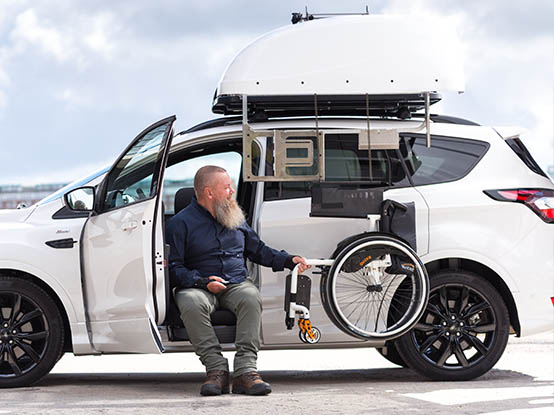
[223, 320]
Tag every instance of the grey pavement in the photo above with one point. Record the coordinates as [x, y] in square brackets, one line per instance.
[521, 383]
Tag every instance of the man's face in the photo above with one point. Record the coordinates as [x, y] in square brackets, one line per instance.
[222, 189]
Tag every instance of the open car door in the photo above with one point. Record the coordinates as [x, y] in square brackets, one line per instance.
[123, 249]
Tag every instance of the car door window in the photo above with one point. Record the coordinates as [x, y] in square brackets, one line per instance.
[447, 159]
[181, 174]
[131, 180]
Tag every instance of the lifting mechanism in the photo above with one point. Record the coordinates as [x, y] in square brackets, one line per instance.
[374, 286]
[304, 151]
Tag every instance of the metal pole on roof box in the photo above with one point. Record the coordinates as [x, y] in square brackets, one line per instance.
[245, 109]
[368, 135]
[427, 121]
[320, 144]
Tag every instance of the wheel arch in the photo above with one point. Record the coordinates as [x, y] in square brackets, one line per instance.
[68, 345]
[488, 274]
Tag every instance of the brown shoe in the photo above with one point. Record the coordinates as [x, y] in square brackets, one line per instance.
[251, 383]
[216, 383]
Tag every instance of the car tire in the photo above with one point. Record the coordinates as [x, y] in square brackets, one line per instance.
[390, 352]
[463, 331]
[31, 332]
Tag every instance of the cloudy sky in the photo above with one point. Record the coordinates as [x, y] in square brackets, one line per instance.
[80, 78]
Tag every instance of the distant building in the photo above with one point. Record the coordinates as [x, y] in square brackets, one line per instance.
[12, 195]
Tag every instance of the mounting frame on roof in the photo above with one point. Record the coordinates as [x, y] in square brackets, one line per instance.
[261, 107]
[299, 155]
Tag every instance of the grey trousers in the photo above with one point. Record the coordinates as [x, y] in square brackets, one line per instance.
[196, 305]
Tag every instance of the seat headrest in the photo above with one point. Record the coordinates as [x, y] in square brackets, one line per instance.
[182, 198]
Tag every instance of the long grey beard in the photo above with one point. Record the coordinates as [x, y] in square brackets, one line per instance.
[229, 213]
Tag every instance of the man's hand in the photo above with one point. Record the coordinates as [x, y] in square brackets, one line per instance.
[216, 286]
[302, 261]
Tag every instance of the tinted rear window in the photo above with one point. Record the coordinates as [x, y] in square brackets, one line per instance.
[447, 159]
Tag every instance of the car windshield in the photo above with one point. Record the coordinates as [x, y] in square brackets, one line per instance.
[77, 183]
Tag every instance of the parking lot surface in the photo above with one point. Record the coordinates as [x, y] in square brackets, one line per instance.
[347, 381]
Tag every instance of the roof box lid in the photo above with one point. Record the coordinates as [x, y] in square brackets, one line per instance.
[349, 55]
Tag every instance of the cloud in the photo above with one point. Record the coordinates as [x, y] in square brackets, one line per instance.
[101, 38]
[28, 31]
[509, 61]
[85, 77]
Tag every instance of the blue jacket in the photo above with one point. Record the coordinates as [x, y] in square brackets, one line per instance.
[201, 247]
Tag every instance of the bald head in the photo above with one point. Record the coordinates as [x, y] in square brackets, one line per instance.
[206, 177]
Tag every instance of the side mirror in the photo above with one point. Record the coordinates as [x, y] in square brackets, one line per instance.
[80, 199]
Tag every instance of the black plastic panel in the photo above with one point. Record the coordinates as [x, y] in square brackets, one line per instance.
[350, 201]
[225, 334]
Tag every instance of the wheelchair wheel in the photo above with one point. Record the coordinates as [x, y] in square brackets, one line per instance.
[377, 288]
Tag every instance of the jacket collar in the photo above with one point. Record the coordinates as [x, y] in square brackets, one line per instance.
[194, 203]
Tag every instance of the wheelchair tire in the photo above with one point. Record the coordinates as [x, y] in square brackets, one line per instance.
[374, 305]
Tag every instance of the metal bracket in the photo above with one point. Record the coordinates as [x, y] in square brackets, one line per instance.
[299, 155]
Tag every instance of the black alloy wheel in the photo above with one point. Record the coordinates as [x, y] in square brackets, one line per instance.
[31, 333]
[463, 331]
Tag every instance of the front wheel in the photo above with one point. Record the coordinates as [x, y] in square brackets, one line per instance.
[463, 331]
[31, 333]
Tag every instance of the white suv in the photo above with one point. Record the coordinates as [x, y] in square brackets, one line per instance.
[84, 270]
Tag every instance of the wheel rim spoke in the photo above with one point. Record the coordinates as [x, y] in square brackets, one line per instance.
[426, 327]
[29, 351]
[478, 344]
[12, 361]
[485, 328]
[429, 342]
[33, 336]
[444, 299]
[28, 317]
[445, 354]
[463, 300]
[476, 308]
[432, 308]
[15, 309]
[460, 354]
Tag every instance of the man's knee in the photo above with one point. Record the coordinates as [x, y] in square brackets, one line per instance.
[193, 301]
[250, 299]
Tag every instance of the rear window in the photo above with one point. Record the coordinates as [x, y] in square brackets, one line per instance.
[519, 148]
[447, 159]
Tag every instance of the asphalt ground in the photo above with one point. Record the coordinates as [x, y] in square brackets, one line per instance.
[347, 381]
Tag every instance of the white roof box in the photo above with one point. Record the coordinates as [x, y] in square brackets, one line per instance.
[349, 55]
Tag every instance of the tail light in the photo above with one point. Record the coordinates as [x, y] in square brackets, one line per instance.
[540, 201]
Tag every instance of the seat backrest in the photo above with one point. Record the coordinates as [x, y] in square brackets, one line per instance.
[182, 198]
[342, 165]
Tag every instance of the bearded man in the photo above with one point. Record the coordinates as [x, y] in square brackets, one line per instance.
[209, 241]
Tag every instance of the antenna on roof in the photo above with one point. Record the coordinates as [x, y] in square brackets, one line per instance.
[299, 17]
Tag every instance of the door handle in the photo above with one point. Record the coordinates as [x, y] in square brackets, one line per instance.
[129, 225]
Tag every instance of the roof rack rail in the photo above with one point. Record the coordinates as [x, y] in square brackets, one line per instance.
[447, 119]
[216, 122]
[270, 106]
[299, 17]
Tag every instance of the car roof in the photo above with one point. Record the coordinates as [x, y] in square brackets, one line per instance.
[441, 125]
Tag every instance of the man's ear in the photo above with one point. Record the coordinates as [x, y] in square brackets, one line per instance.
[208, 193]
